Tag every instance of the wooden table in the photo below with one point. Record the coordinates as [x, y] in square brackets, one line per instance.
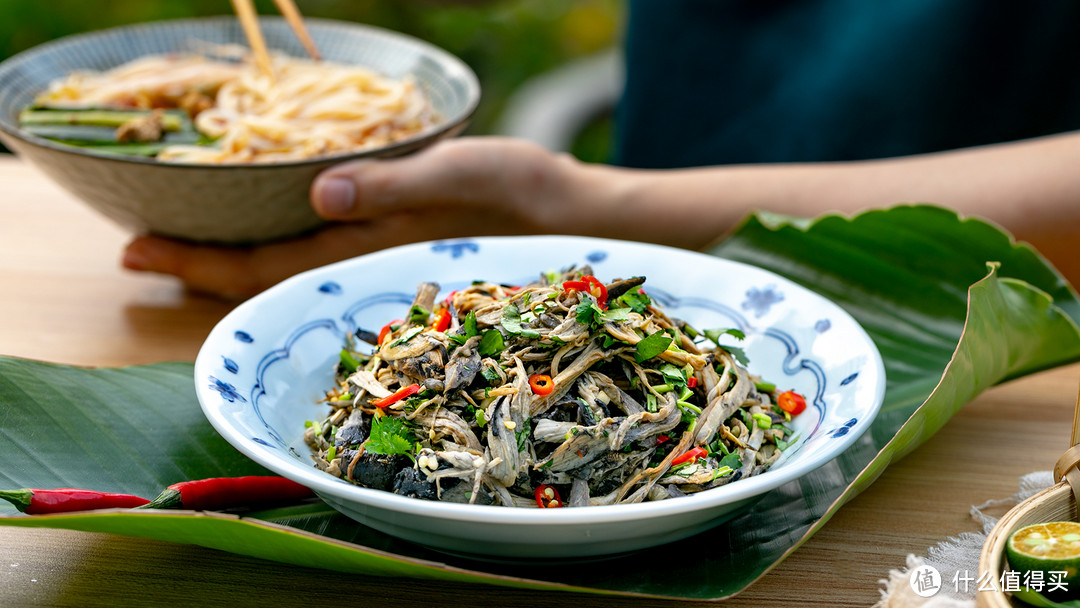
[64, 298]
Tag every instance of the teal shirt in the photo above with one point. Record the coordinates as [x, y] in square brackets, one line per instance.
[751, 81]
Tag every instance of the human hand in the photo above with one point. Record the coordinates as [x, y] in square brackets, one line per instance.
[461, 187]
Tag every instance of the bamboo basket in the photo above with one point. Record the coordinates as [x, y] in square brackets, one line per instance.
[1057, 503]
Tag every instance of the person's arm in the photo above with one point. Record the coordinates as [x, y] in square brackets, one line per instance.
[1030, 187]
[478, 186]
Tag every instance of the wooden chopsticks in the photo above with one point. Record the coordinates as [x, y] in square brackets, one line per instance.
[249, 21]
[296, 22]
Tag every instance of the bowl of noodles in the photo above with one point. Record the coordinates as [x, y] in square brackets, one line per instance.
[541, 397]
[170, 128]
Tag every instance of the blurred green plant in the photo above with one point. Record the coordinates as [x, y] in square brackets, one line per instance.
[506, 42]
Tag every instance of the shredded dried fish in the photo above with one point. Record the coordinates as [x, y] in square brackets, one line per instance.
[566, 382]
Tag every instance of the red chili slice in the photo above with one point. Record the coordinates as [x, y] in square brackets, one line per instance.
[592, 285]
[690, 456]
[541, 384]
[397, 395]
[578, 285]
[442, 321]
[791, 402]
[548, 497]
[387, 329]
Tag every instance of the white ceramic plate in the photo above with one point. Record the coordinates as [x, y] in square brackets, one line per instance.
[265, 366]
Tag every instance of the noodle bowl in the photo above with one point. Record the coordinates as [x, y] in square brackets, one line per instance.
[78, 92]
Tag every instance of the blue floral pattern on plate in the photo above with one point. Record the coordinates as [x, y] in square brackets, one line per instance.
[760, 300]
[228, 391]
[455, 248]
[595, 257]
[331, 287]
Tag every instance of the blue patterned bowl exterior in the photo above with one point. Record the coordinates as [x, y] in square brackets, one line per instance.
[230, 203]
[265, 366]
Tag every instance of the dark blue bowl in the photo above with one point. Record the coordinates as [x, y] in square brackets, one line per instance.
[219, 203]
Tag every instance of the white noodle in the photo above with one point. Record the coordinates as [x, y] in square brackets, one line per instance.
[308, 109]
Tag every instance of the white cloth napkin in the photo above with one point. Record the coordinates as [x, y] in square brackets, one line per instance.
[958, 554]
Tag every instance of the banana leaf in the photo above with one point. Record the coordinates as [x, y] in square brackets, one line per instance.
[954, 305]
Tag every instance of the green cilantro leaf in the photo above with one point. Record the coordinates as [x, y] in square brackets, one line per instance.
[738, 353]
[491, 375]
[511, 319]
[389, 435]
[673, 374]
[523, 433]
[731, 460]
[652, 345]
[715, 334]
[588, 313]
[491, 343]
[468, 330]
[635, 301]
[615, 314]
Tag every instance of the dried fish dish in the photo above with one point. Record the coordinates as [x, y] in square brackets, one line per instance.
[567, 392]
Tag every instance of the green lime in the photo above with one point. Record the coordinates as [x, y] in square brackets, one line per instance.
[1051, 548]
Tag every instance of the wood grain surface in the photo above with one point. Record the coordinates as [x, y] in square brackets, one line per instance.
[64, 298]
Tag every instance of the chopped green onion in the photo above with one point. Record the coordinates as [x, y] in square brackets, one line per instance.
[348, 361]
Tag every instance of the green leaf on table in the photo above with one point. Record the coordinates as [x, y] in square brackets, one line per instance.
[953, 305]
[1039, 600]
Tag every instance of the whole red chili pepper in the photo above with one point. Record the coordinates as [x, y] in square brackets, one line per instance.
[33, 501]
[225, 492]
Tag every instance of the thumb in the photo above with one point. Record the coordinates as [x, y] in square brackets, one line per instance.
[478, 173]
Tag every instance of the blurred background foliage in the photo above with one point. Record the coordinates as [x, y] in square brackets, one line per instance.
[505, 41]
